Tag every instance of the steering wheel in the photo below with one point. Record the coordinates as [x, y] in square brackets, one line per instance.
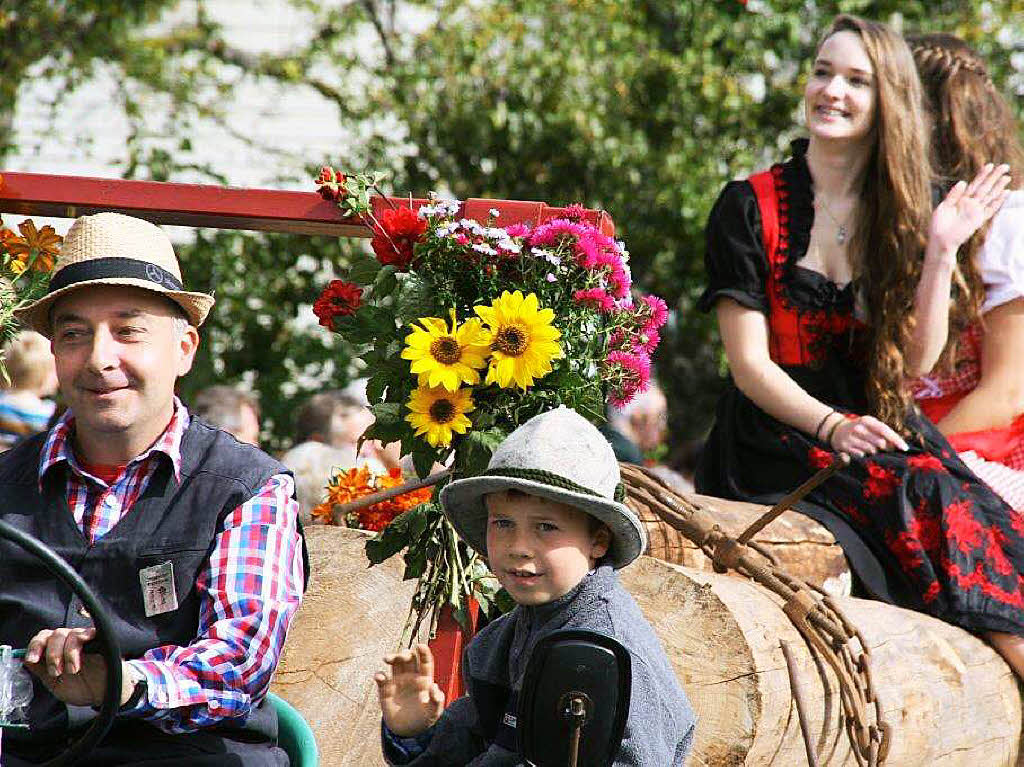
[104, 637]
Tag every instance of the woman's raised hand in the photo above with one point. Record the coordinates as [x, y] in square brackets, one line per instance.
[967, 207]
[410, 700]
[865, 436]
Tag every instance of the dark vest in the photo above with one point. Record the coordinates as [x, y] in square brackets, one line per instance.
[170, 522]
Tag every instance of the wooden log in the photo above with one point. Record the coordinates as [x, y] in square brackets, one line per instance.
[950, 698]
[352, 615]
[802, 547]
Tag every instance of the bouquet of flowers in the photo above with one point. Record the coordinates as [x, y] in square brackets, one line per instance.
[26, 262]
[468, 329]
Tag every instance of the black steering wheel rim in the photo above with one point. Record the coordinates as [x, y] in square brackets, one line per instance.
[105, 637]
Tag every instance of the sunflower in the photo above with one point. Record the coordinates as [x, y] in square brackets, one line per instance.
[523, 340]
[447, 357]
[437, 412]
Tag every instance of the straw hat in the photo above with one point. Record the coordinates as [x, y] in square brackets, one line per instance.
[535, 460]
[114, 249]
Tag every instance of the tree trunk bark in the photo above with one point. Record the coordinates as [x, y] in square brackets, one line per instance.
[948, 696]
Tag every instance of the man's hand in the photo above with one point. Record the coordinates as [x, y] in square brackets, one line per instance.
[77, 678]
[410, 700]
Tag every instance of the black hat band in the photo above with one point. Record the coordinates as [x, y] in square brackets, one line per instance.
[113, 267]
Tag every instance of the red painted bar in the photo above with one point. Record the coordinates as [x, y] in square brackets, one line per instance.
[36, 194]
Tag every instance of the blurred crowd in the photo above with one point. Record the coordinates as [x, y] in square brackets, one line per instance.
[327, 426]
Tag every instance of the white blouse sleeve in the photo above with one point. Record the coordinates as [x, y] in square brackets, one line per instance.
[1001, 258]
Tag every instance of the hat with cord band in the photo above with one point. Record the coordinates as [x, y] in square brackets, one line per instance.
[114, 249]
[561, 456]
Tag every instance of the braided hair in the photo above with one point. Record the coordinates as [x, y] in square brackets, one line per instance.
[971, 124]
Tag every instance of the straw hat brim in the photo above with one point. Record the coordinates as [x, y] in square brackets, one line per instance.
[463, 504]
[37, 314]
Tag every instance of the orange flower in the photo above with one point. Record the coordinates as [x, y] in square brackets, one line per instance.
[346, 486]
[343, 487]
[44, 243]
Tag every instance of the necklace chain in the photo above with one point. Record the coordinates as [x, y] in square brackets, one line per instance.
[842, 233]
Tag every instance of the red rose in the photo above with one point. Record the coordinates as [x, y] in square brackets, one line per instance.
[339, 298]
[331, 184]
[399, 231]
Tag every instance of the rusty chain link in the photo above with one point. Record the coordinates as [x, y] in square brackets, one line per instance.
[817, 617]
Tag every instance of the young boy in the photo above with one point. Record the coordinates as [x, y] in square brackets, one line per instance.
[546, 515]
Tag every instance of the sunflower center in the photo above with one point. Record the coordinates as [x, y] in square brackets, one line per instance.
[445, 350]
[511, 340]
[442, 411]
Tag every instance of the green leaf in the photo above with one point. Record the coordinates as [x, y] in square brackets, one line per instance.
[363, 269]
[416, 300]
[386, 282]
[419, 519]
[376, 385]
[475, 450]
[388, 425]
[390, 540]
[423, 458]
[415, 563]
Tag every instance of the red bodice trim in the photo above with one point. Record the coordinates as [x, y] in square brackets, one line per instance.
[797, 336]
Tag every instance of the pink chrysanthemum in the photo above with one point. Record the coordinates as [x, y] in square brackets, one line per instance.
[575, 212]
[589, 254]
[595, 298]
[518, 230]
[629, 375]
[654, 311]
[648, 340]
[619, 282]
[553, 231]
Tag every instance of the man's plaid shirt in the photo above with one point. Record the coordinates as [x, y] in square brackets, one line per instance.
[245, 610]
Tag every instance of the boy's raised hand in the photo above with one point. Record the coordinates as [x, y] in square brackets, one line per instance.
[410, 700]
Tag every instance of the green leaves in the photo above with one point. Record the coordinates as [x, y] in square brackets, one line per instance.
[363, 268]
[476, 449]
[405, 530]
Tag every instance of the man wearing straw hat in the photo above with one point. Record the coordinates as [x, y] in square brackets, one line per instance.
[188, 537]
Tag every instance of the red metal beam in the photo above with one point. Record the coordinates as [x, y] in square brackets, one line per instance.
[35, 194]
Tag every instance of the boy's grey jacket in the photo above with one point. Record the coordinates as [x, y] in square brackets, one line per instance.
[660, 727]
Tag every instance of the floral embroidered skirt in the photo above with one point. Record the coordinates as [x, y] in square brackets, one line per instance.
[919, 529]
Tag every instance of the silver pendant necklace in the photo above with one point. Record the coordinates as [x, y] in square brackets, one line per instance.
[842, 233]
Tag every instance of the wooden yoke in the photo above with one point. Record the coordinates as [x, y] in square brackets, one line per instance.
[36, 194]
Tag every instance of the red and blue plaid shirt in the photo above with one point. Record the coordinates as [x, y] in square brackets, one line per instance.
[244, 610]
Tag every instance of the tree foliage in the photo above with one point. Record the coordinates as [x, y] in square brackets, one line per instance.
[642, 107]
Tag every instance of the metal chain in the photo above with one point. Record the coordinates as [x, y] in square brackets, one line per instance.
[817, 617]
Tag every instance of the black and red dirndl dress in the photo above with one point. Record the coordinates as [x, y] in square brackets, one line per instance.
[919, 529]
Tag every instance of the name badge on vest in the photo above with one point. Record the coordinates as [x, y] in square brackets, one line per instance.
[158, 594]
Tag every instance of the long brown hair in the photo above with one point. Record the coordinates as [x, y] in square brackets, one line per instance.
[893, 214]
[971, 124]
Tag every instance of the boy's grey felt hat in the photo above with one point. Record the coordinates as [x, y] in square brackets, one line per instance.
[557, 455]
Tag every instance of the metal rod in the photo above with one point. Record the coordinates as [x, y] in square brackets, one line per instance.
[841, 460]
[577, 712]
[801, 709]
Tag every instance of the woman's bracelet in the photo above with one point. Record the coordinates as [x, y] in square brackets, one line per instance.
[817, 432]
[845, 417]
